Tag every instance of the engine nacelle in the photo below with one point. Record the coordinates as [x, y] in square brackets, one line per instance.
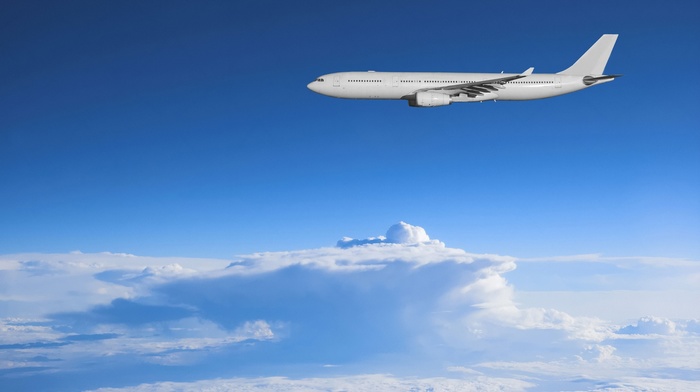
[428, 99]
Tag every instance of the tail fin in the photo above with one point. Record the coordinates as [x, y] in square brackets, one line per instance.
[593, 61]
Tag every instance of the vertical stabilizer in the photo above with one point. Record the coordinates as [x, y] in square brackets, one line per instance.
[593, 61]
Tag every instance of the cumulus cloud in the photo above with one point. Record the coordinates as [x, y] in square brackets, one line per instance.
[403, 233]
[400, 233]
[398, 302]
[650, 326]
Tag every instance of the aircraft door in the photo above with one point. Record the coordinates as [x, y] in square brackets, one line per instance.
[336, 81]
[557, 82]
[395, 81]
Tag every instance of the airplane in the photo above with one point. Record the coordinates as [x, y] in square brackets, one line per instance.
[430, 89]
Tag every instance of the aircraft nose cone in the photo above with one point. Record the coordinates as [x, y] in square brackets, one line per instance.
[312, 86]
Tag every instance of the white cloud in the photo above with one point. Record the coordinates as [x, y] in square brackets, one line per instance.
[14, 331]
[347, 242]
[616, 306]
[658, 262]
[400, 233]
[650, 326]
[693, 326]
[403, 233]
[400, 302]
[32, 285]
[361, 383]
[604, 372]
[617, 289]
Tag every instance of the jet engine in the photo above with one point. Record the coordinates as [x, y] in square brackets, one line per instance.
[428, 99]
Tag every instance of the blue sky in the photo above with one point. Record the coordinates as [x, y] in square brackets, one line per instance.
[176, 130]
[186, 130]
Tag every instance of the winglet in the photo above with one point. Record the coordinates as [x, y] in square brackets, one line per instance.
[528, 71]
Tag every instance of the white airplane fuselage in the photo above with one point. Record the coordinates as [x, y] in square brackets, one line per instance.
[427, 89]
[397, 85]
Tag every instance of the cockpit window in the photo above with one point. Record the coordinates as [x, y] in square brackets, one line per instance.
[319, 80]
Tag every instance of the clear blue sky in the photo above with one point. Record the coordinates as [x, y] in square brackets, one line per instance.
[175, 128]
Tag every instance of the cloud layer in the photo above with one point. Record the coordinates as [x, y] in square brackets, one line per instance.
[401, 304]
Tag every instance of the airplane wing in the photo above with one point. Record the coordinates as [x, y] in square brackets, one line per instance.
[475, 89]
